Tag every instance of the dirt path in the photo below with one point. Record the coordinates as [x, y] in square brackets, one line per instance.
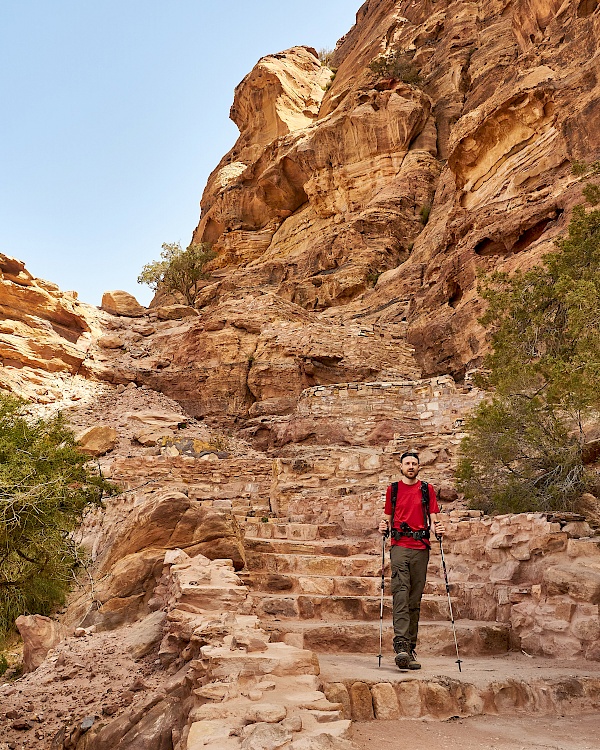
[482, 733]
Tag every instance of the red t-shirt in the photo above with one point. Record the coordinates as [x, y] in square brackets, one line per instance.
[409, 509]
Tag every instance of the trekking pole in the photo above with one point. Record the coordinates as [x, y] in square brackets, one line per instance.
[383, 538]
[458, 659]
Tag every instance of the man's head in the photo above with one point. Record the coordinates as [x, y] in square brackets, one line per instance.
[409, 464]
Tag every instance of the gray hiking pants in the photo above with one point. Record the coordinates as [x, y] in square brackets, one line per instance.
[409, 571]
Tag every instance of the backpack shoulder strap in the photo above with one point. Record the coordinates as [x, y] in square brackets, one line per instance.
[425, 504]
[394, 500]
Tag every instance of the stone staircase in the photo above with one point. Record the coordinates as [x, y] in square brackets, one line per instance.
[323, 593]
[315, 587]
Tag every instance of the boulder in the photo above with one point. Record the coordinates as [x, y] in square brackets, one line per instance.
[175, 312]
[143, 636]
[122, 303]
[39, 635]
[185, 446]
[138, 729]
[361, 702]
[110, 341]
[337, 692]
[385, 701]
[171, 520]
[149, 438]
[265, 737]
[97, 440]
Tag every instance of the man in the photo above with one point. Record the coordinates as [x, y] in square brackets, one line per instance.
[416, 511]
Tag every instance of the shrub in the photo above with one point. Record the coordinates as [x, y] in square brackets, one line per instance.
[519, 456]
[179, 271]
[46, 486]
[424, 213]
[325, 55]
[524, 449]
[373, 276]
[396, 65]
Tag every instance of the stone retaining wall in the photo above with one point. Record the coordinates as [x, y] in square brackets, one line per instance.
[541, 577]
[442, 698]
[436, 404]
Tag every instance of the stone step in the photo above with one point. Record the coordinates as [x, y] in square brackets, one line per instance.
[304, 563]
[508, 685]
[338, 585]
[273, 528]
[298, 583]
[317, 564]
[335, 608]
[316, 547]
[359, 637]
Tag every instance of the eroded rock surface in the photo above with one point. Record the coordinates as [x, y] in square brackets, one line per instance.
[479, 150]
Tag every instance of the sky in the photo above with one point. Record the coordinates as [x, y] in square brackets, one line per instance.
[116, 112]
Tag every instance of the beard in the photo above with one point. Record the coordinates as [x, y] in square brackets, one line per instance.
[410, 473]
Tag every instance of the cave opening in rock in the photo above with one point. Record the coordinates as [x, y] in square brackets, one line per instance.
[488, 246]
[531, 235]
[455, 293]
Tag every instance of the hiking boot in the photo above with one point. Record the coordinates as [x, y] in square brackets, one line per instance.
[402, 650]
[412, 660]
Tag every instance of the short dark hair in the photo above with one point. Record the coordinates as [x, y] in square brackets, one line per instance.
[414, 454]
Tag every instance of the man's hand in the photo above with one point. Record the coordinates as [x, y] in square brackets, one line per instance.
[439, 528]
[383, 527]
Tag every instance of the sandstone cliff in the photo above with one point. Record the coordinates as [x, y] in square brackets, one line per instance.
[315, 205]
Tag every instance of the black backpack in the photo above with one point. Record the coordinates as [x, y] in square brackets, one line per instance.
[405, 529]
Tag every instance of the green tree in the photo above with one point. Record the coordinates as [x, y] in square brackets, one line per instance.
[524, 449]
[46, 485]
[178, 271]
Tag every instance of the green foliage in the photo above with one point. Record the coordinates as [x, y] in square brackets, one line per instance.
[524, 450]
[329, 83]
[520, 457]
[424, 213]
[546, 322]
[3, 664]
[580, 168]
[591, 193]
[45, 489]
[373, 276]
[396, 65]
[179, 271]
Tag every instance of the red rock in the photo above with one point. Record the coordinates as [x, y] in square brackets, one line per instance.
[39, 634]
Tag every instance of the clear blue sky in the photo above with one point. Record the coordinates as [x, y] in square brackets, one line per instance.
[115, 113]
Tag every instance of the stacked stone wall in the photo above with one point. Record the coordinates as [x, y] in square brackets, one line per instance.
[432, 406]
[540, 577]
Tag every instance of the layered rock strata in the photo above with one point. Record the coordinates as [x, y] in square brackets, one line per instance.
[45, 335]
[479, 149]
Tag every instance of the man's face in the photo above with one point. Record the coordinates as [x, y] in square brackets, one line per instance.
[409, 467]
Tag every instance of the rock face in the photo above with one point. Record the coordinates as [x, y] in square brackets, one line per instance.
[315, 208]
[262, 348]
[44, 333]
